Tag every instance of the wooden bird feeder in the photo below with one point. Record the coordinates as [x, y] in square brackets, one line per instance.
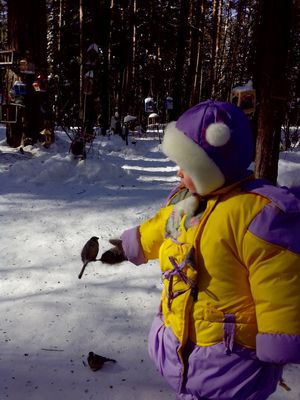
[6, 57]
[153, 118]
[9, 112]
[245, 98]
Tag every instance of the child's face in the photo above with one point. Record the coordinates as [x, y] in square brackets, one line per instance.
[186, 181]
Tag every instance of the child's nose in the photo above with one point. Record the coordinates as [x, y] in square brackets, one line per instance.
[179, 173]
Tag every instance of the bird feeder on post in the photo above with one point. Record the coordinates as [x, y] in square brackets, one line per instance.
[245, 98]
[129, 120]
[9, 113]
[18, 91]
[15, 108]
[149, 101]
[90, 90]
[149, 104]
[154, 125]
[152, 118]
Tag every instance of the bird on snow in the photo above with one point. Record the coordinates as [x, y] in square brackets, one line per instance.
[89, 253]
[96, 362]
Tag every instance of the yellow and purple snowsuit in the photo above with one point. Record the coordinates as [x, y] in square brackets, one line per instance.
[230, 310]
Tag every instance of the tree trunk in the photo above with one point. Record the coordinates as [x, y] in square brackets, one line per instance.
[235, 49]
[104, 41]
[180, 58]
[100, 11]
[216, 40]
[271, 83]
[195, 52]
[129, 72]
[81, 95]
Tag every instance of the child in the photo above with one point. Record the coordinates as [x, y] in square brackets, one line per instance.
[229, 252]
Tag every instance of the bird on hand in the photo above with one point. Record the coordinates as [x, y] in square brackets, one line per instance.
[96, 362]
[115, 254]
[89, 253]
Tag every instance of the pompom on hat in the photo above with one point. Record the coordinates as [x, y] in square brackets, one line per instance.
[213, 143]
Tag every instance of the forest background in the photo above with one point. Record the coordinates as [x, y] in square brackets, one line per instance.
[91, 59]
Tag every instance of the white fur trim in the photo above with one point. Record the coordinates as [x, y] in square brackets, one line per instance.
[217, 134]
[203, 171]
[186, 207]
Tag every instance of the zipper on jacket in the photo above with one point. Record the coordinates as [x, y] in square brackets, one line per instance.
[194, 293]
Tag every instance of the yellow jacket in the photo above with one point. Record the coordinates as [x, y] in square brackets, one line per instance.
[231, 278]
[235, 272]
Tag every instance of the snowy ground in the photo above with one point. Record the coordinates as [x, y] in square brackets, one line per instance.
[50, 205]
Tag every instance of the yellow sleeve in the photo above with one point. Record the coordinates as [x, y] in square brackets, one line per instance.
[275, 282]
[152, 233]
[275, 285]
[142, 243]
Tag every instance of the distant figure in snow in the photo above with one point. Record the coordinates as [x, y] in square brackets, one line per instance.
[115, 124]
[89, 253]
[229, 252]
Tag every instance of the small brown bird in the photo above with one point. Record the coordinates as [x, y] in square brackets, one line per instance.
[89, 253]
[115, 254]
[96, 362]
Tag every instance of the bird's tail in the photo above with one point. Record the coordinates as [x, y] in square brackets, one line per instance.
[82, 270]
[109, 359]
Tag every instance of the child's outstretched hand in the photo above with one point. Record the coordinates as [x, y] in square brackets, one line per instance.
[115, 254]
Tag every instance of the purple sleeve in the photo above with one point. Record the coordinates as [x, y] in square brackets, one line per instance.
[132, 248]
[278, 348]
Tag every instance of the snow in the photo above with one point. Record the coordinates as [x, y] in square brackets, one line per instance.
[50, 205]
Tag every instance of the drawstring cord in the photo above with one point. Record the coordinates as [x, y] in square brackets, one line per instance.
[229, 333]
[177, 270]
